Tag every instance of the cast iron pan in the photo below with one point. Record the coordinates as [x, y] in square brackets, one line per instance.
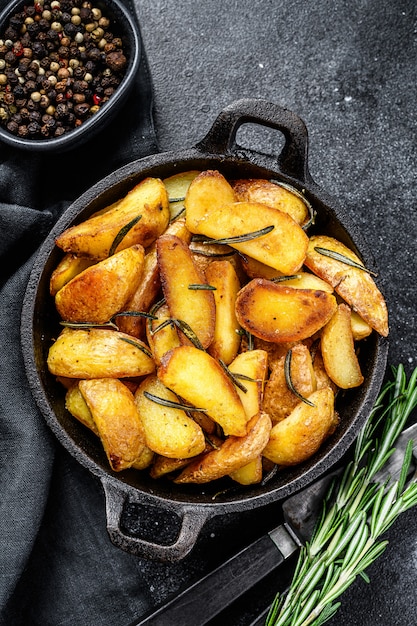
[193, 504]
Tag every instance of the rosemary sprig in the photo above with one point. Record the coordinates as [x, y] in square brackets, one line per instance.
[241, 238]
[356, 512]
[122, 233]
[289, 382]
[201, 287]
[332, 254]
[170, 403]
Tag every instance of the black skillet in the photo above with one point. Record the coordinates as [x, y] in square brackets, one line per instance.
[194, 505]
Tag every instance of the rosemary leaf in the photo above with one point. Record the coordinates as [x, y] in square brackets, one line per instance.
[170, 403]
[122, 233]
[138, 345]
[288, 379]
[87, 325]
[233, 377]
[343, 259]
[281, 279]
[241, 238]
[201, 287]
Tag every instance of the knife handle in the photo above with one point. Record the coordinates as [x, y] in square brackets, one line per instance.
[209, 596]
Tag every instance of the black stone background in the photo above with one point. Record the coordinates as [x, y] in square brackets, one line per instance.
[349, 70]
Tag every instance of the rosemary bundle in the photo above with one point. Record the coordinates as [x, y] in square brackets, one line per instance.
[356, 512]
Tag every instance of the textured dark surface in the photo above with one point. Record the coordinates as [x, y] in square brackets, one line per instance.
[349, 70]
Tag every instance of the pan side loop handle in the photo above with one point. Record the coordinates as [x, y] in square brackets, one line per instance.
[293, 159]
[192, 521]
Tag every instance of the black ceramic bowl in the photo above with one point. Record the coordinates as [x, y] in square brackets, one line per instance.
[124, 25]
[195, 504]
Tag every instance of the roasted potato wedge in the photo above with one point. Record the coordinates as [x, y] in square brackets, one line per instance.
[354, 285]
[250, 369]
[249, 474]
[149, 285]
[162, 337]
[279, 400]
[198, 378]
[299, 436]
[283, 248]
[67, 269]
[183, 287]
[177, 187]
[226, 340]
[103, 289]
[338, 350]
[208, 190]
[144, 460]
[232, 455]
[95, 237]
[276, 313]
[98, 353]
[305, 280]
[169, 431]
[360, 328]
[273, 195]
[77, 406]
[117, 420]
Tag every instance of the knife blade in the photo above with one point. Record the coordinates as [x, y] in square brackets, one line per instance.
[229, 581]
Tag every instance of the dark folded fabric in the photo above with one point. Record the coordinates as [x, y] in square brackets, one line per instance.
[57, 565]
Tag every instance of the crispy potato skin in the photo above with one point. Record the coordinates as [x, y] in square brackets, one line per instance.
[338, 350]
[97, 353]
[354, 285]
[276, 313]
[271, 194]
[94, 237]
[117, 420]
[279, 401]
[177, 270]
[233, 454]
[299, 436]
[198, 378]
[103, 289]
[208, 190]
[66, 270]
[226, 340]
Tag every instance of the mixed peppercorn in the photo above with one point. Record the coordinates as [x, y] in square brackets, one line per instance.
[60, 62]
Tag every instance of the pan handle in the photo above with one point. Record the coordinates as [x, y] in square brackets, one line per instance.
[221, 138]
[193, 519]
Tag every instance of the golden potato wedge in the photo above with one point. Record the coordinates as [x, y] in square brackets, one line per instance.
[272, 194]
[354, 285]
[66, 270]
[296, 438]
[249, 474]
[360, 328]
[208, 190]
[163, 465]
[279, 400]
[98, 353]
[283, 248]
[113, 408]
[149, 285]
[276, 313]
[77, 406]
[322, 377]
[305, 280]
[162, 337]
[198, 378]
[103, 289]
[226, 340]
[338, 350]
[169, 431]
[256, 269]
[177, 187]
[235, 453]
[181, 282]
[144, 460]
[252, 365]
[95, 237]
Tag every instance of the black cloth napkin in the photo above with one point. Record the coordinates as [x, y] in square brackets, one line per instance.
[57, 564]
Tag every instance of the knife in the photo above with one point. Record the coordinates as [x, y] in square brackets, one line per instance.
[225, 584]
